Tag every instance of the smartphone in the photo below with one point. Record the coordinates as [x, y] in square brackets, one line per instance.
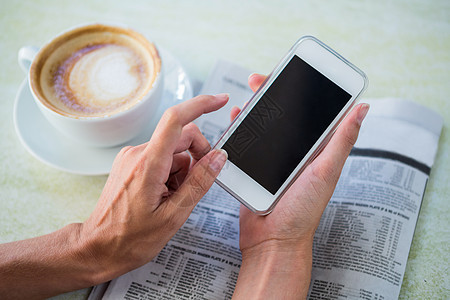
[287, 122]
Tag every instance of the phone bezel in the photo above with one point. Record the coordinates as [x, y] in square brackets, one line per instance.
[331, 65]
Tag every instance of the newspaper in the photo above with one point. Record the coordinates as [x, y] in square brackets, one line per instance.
[362, 244]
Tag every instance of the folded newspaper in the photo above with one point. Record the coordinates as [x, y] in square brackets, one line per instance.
[362, 244]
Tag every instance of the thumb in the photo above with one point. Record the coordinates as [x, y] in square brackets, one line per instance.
[198, 181]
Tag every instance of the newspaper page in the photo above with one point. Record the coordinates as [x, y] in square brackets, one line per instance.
[362, 243]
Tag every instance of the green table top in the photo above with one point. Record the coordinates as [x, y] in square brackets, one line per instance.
[403, 46]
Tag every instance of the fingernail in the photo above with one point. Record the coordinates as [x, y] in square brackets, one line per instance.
[218, 160]
[222, 97]
[362, 112]
[251, 75]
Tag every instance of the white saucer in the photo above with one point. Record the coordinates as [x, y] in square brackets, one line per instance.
[48, 145]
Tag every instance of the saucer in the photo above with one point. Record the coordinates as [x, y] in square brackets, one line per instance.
[53, 148]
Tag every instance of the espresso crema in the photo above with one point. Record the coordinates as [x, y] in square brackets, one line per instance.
[98, 72]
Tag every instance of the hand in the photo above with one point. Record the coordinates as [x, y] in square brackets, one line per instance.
[281, 242]
[149, 194]
[151, 190]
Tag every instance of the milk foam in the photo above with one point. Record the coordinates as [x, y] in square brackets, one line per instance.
[114, 73]
[100, 79]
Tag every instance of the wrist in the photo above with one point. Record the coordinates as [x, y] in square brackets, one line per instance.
[275, 269]
[93, 250]
[279, 247]
[276, 256]
[80, 249]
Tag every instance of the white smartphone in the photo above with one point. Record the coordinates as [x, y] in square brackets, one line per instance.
[287, 122]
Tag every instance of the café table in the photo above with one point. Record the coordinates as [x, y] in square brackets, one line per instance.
[403, 46]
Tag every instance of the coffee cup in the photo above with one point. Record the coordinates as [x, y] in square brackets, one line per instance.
[98, 84]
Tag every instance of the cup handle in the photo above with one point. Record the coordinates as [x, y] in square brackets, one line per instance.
[26, 55]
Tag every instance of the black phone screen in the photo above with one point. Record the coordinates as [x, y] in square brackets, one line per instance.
[285, 123]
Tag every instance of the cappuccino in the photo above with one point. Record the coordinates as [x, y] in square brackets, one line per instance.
[95, 71]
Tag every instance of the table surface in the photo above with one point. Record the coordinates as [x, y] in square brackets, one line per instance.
[403, 46]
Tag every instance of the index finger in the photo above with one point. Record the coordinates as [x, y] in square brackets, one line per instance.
[168, 131]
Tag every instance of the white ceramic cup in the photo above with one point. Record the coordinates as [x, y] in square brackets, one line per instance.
[97, 131]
